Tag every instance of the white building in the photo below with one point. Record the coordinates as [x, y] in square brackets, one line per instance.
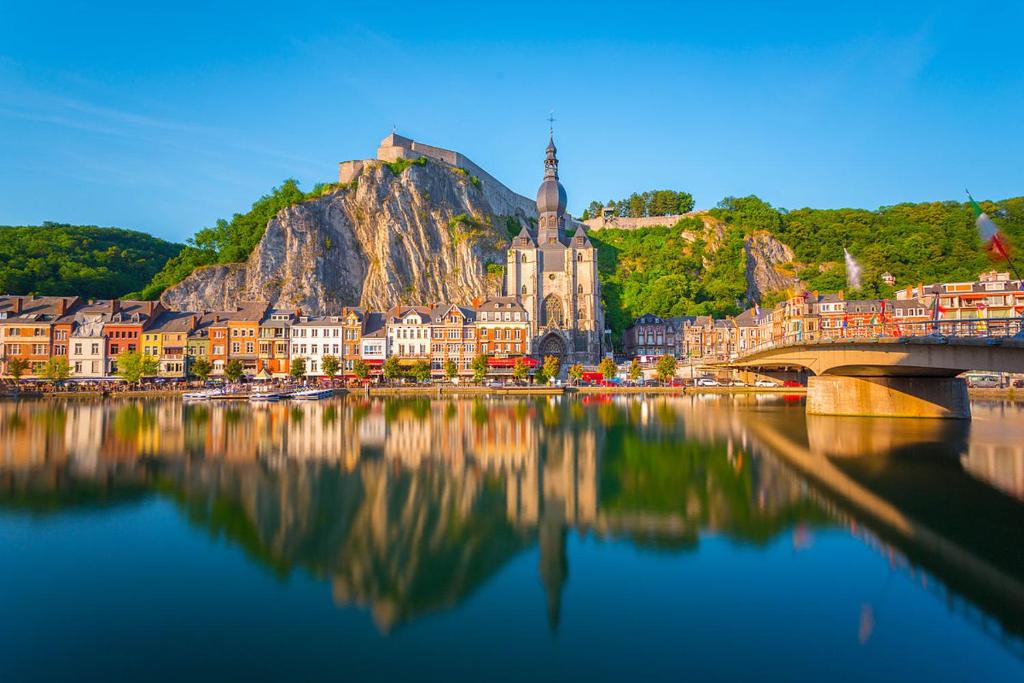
[87, 351]
[373, 344]
[314, 338]
[409, 333]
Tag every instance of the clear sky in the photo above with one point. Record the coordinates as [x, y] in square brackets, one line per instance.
[161, 117]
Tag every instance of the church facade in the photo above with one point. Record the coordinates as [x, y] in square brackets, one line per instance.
[554, 277]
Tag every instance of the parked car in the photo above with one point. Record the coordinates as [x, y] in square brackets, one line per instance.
[767, 383]
[707, 382]
[738, 383]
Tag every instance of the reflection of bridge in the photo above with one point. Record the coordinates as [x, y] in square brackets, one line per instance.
[899, 377]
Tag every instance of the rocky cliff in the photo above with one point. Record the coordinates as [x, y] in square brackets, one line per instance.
[767, 259]
[423, 234]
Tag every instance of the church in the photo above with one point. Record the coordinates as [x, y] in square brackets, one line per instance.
[554, 277]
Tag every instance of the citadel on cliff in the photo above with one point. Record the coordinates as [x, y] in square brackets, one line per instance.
[551, 274]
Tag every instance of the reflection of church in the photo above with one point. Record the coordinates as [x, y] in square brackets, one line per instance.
[554, 276]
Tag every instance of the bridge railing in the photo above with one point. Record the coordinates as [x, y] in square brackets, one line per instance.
[952, 329]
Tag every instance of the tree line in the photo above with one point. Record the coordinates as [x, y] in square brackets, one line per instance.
[643, 204]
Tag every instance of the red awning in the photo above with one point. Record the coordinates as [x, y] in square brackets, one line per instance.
[510, 362]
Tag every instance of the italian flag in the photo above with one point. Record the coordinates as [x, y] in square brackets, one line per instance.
[988, 230]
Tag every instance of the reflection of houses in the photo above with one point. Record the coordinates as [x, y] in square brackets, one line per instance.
[995, 454]
[407, 505]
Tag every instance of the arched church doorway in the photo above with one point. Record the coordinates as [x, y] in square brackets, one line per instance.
[552, 345]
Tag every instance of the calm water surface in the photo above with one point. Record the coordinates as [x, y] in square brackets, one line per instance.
[628, 538]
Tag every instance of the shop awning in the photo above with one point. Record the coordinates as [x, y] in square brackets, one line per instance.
[510, 362]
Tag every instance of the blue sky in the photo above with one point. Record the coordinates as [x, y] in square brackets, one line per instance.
[164, 117]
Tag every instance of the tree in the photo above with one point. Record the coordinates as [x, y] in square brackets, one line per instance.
[520, 370]
[392, 369]
[331, 365]
[576, 373]
[361, 370]
[541, 377]
[16, 367]
[607, 368]
[234, 370]
[666, 368]
[421, 371]
[637, 206]
[297, 369]
[635, 372]
[552, 365]
[132, 366]
[479, 367]
[201, 368]
[451, 370]
[57, 369]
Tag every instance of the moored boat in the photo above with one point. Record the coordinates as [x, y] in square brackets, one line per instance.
[265, 396]
[202, 395]
[311, 394]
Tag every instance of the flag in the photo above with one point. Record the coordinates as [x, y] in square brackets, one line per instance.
[988, 230]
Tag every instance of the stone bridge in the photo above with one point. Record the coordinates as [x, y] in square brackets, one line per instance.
[900, 377]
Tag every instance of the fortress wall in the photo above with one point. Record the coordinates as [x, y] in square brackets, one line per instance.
[635, 223]
[502, 199]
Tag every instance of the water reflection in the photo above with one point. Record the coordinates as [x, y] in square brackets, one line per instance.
[408, 506]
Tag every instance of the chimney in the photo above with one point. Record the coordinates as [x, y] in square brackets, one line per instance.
[61, 305]
[842, 295]
[115, 306]
[16, 305]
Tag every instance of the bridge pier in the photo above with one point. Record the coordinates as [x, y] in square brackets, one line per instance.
[934, 397]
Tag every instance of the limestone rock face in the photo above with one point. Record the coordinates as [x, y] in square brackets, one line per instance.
[425, 235]
[765, 257]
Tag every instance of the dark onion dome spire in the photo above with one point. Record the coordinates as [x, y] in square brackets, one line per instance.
[551, 197]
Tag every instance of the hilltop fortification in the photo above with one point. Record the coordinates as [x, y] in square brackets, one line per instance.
[395, 147]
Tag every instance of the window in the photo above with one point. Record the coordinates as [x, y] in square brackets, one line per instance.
[579, 258]
[523, 260]
[78, 349]
[579, 289]
[524, 290]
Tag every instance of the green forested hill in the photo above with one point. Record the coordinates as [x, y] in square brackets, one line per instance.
[91, 262]
[655, 270]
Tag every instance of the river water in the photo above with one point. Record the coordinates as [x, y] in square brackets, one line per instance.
[596, 538]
